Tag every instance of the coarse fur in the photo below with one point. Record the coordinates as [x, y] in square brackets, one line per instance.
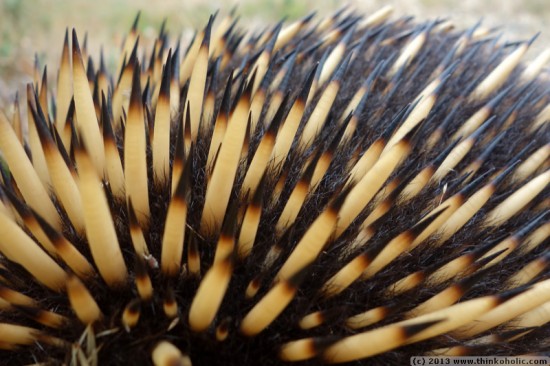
[414, 105]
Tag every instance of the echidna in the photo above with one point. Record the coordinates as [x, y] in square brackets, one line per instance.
[341, 190]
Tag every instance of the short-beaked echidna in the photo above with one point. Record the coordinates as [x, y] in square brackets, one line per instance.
[348, 189]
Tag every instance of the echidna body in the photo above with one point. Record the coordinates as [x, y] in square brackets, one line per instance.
[351, 189]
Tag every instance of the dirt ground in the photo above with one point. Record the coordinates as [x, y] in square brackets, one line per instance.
[37, 27]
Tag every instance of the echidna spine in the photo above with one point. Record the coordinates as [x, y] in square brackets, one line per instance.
[341, 190]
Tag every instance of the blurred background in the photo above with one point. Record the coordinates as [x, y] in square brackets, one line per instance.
[37, 27]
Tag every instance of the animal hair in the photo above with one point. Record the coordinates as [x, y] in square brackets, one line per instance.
[354, 189]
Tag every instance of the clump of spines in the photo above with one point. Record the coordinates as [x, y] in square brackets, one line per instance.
[347, 189]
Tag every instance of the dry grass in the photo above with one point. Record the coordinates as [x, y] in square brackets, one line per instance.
[39, 25]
